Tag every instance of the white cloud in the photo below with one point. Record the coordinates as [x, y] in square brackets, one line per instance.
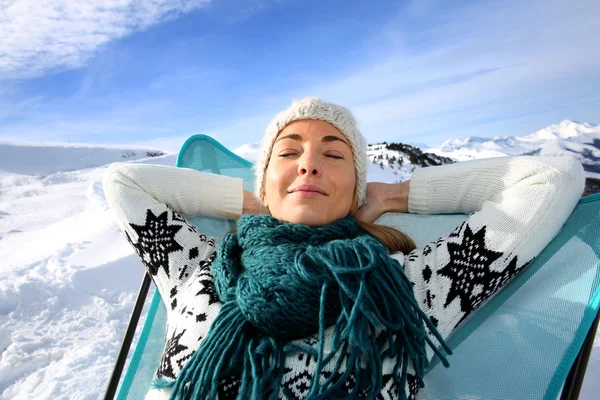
[472, 63]
[481, 69]
[40, 36]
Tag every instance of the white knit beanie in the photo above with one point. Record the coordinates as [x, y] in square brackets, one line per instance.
[315, 108]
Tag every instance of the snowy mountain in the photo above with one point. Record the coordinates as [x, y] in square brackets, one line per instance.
[395, 162]
[581, 140]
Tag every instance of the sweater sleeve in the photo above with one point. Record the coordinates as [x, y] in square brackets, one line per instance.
[151, 202]
[516, 206]
[131, 187]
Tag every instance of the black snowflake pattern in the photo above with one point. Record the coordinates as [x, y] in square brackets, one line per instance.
[427, 273]
[172, 295]
[439, 242]
[201, 317]
[389, 388]
[472, 280]
[509, 272]
[204, 265]
[429, 298]
[427, 250]
[156, 240]
[348, 385]
[413, 386]
[456, 232]
[297, 387]
[312, 340]
[183, 272]
[185, 311]
[229, 387]
[208, 289]
[171, 357]
[304, 357]
[413, 256]
[177, 217]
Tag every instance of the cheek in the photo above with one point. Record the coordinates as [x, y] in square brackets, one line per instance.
[275, 182]
[347, 184]
[350, 190]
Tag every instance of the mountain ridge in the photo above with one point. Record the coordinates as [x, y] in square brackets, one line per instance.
[581, 140]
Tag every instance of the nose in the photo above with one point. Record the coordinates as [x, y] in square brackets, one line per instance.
[308, 164]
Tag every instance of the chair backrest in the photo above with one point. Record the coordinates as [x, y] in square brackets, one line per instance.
[521, 344]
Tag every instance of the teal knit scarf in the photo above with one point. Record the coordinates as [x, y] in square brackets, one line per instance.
[279, 282]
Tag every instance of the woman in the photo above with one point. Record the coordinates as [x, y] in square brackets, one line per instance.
[306, 302]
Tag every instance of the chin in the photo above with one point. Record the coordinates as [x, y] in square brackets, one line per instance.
[305, 220]
[313, 218]
[308, 214]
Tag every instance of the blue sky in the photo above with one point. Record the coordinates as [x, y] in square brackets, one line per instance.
[157, 71]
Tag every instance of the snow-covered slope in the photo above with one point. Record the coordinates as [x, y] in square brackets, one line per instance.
[581, 140]
[47, 158]
[395, 162]
[68, 278]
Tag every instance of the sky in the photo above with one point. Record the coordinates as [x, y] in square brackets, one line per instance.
[154, 72]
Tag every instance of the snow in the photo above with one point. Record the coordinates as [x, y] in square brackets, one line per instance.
[40, 158]
[68, 277]
[581, 140]
[380, 168]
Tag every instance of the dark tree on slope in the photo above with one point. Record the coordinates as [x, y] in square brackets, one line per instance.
[415, 155]
[592, 186]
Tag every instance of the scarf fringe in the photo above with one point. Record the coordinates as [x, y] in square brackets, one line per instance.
[379, 319]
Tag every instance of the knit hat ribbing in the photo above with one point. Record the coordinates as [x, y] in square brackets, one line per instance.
[315, 108]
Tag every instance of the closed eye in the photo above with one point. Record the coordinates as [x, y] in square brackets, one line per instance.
[328, 155]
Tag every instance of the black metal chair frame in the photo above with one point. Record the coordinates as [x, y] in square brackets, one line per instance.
[571, 388]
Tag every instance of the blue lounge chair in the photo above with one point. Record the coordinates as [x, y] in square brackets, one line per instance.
[531, 341]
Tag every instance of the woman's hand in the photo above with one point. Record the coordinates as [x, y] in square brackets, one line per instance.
[382, 198]
[252, 205]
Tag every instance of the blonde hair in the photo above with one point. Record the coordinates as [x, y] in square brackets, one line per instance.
[392, 238]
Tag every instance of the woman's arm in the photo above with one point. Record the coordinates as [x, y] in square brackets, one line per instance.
[517, 205]
[149, 203]
[129, 187]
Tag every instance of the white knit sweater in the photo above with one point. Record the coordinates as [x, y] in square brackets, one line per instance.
[517, 205]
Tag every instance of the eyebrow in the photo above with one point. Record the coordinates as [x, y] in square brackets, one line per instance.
[326, 139]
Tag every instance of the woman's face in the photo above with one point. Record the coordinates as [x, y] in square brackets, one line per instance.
[310, 178]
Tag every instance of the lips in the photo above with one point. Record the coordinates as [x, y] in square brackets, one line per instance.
[308, 189]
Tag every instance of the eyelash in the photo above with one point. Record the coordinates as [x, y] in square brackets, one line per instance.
[329, 155]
